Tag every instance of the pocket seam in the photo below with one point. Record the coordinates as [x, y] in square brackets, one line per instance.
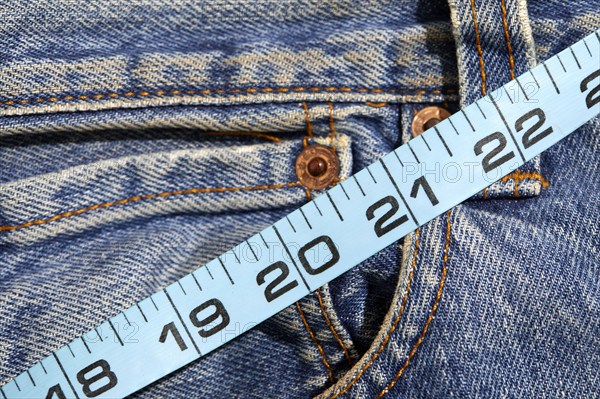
[138, 198]
[206, 92]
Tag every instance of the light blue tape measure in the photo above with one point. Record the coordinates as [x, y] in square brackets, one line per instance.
[327, 236]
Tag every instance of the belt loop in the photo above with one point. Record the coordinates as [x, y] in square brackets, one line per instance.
[494, 43]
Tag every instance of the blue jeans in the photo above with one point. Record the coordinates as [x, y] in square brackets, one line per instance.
[139, 140]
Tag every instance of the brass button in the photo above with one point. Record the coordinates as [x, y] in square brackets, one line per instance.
[427, 118]
[317, 166]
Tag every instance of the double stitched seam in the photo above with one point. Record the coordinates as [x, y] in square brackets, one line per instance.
[145, 198]
[438, 296]
[479, 49]
[331, 126]
[306, 138]
[511, 59]
[332, 329]
[394, 324]
[309, 135]
[309, 127]
[316, 341]
[206, 92]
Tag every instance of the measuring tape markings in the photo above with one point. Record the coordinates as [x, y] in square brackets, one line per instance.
[353, 220]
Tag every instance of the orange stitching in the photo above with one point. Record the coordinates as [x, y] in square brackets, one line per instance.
[145, 197]
[376, 105]
[308, 125]
[520, 176]
[431, 312]
[511, 59]
[333, 331]
[307, 193]
[394, 324]
[331, 126]
[326, 317]
[479, 49]
[255, 134]
[250, 90]
[314, 339]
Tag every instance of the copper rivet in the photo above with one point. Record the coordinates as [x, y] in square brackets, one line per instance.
[317, 166]
[427, 118]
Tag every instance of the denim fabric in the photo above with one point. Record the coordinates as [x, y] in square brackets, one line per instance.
[138, 140]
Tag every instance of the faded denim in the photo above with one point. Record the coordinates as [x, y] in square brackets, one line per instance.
[116, 179]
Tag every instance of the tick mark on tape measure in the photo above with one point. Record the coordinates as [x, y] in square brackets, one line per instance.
[142, 313]
[305, 218]
[317, 206]
[290, 255]
[534, 79]
[597, 36]
[209, 273]
[398, 158]
[181, 286]
[359, 186]
[522, 89]
[196, 280]
[290, 222]
[154, 303]
[334, 207]
[507, 95]
[3, 394]
[442, 140]
[126, 319]
[263, 240]
[561, 63]
[98, 334]
[468, 120]
[17, 384]
[43, 368]
[116, 332]
[588, 49]
[85, 344]
[65, 374]
[426, 143]
[575, 57]
[252, 250]
[398, 190]
[507, 127]
[411, 150]
[181, 320]
[225, 269]
[344, 190]
[551, 78]
[30, 377]
[70, 350]
[371, 174]
[453, 127]
[480, 110]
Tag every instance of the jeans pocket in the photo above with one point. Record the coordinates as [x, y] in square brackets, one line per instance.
[93, 219]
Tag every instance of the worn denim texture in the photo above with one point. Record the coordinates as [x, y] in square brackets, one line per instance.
[116, 179]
